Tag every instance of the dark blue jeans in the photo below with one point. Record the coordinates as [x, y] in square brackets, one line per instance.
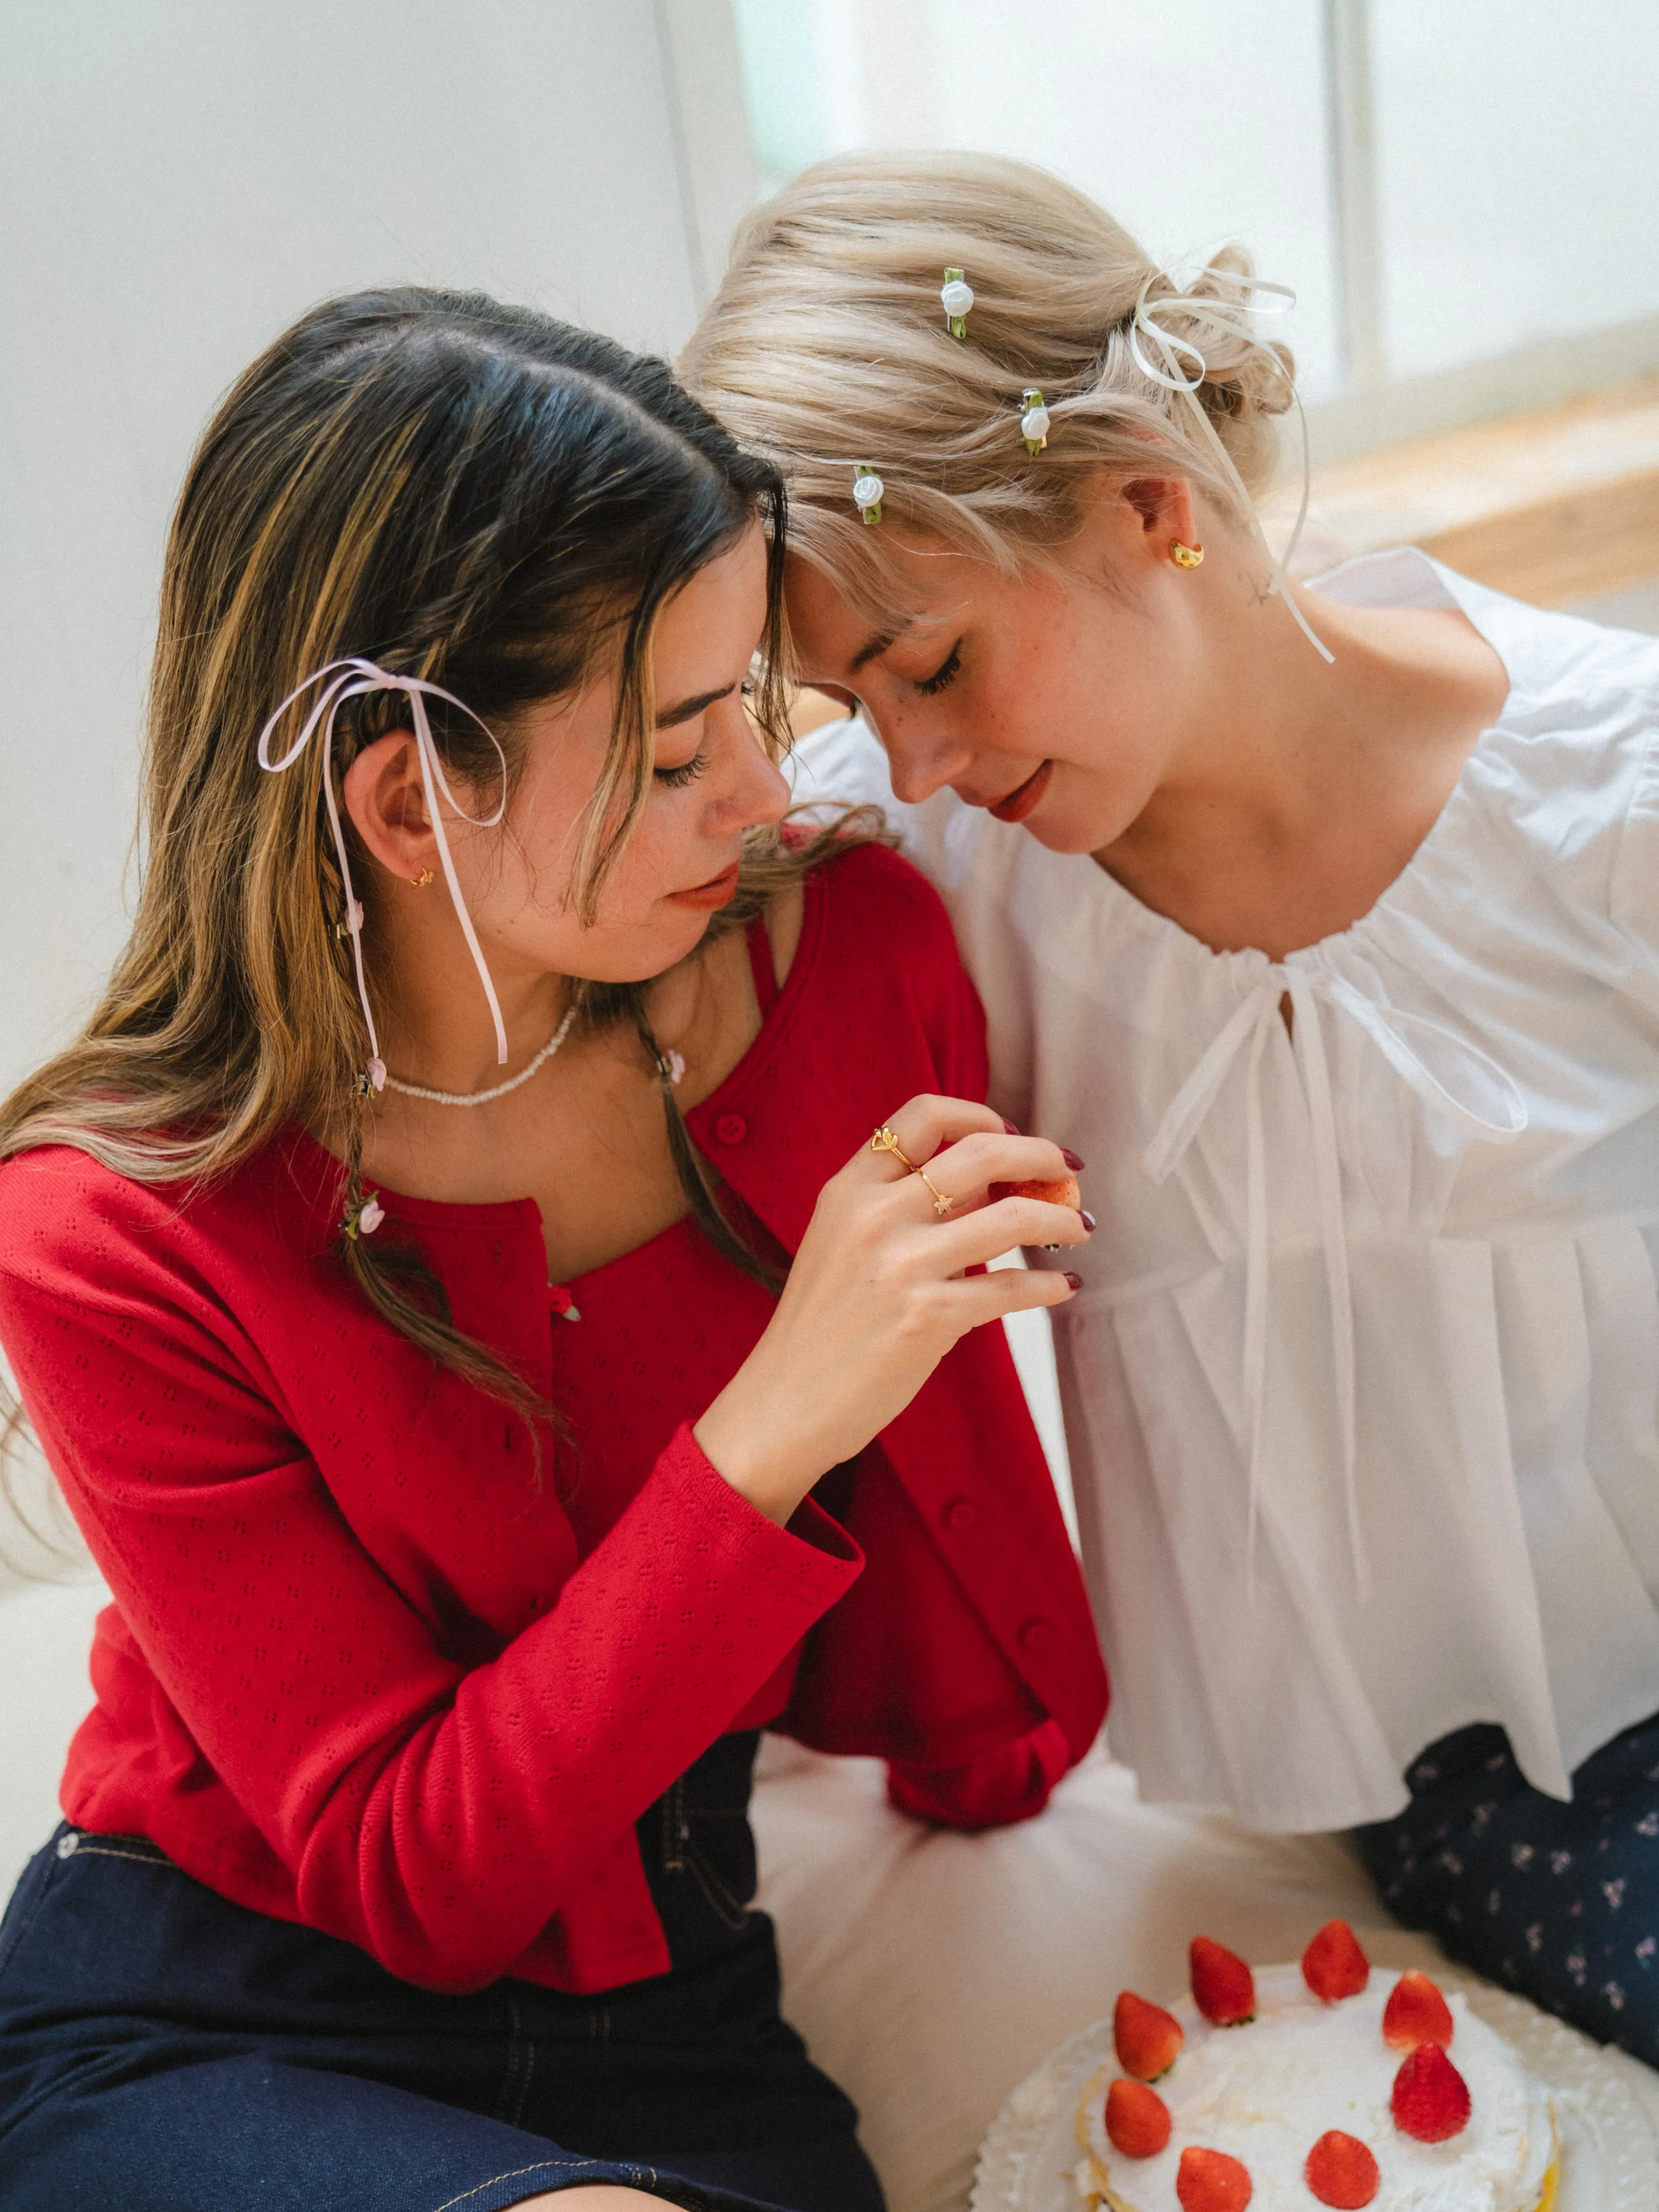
[164, 2051]
[1558, 1901]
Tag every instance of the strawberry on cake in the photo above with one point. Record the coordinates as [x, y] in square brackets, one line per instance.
[1325, 2083]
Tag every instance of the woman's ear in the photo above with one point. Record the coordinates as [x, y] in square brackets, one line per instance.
[386, 800]
[1164, 505]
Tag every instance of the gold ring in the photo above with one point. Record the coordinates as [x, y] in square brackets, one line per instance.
[941, 1204]
[885, 1141]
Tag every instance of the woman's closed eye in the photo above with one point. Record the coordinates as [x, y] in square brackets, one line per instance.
[943, 674]
[674, 779]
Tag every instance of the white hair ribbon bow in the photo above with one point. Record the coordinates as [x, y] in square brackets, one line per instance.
[1181, 366]
[354, 679]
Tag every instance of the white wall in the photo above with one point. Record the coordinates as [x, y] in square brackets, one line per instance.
[180, 179]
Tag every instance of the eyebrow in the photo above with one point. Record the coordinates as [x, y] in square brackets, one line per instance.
[877, 645]
[688, 709]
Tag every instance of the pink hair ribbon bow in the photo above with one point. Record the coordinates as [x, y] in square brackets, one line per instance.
[354, 679]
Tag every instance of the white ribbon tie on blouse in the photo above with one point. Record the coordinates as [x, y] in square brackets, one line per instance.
[1247, 1029]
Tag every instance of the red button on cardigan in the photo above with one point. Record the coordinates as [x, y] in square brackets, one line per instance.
[360, 1673]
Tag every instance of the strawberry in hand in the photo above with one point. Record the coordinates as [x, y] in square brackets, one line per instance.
[1065, 1193]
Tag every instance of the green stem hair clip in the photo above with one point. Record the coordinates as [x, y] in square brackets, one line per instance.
[956, 297]
[867, 489]
[1033, 420]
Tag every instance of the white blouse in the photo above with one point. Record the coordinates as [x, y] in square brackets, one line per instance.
[1362, 1388]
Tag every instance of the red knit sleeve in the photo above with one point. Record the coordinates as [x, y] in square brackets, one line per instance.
[1013, 1783]
[434, 1814]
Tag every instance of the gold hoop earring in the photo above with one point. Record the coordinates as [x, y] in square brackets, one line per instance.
[1186, 557]
[421, 881]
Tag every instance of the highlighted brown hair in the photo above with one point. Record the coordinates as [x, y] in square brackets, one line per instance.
[455, 489]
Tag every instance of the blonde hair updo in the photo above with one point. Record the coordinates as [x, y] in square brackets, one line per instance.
[826, 346]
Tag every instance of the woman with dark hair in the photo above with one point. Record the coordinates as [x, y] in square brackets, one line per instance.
[490, 1359]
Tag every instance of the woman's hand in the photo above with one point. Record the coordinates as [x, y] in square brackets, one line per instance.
[877, 1296]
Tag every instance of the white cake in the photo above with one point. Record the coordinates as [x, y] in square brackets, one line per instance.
[1266, 2091]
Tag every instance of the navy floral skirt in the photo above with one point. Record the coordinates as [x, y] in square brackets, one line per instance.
[1560, 1902]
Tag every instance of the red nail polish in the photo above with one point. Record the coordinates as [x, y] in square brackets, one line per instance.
[1089, 1221]
[1076, 1281]
[1070, 1159]
[1009, 1126]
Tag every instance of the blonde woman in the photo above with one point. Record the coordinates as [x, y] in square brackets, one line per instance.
[1324, 921]
[496, 1371]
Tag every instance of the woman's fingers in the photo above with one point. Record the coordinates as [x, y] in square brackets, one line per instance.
[988, 1231]
[878, 1294]
[963, 1148]
[921, 1126]
[1014, 1290]
[965, 1170]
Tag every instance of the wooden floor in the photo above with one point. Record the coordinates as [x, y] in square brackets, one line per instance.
[1560, 506]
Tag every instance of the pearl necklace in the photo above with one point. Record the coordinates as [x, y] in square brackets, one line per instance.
[484, 1097]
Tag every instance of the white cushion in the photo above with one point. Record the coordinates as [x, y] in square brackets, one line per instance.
[930, 1971]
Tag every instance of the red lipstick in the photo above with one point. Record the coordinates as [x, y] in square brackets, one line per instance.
[718, 891]
[1019, 803]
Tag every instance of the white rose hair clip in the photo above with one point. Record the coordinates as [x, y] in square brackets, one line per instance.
[1034, 421]
[867, 489]
[956, 297]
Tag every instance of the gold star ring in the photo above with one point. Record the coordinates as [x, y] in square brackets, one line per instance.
[941, 1204]
[885, 1141]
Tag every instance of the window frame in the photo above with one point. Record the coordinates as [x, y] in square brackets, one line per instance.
[1374, 409]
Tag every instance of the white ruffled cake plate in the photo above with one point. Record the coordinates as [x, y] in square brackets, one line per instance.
[1606, 2112]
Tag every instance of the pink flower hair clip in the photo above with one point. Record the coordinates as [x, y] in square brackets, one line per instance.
[363, 1218]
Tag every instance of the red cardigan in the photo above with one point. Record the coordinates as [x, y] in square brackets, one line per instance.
[356, 1674]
